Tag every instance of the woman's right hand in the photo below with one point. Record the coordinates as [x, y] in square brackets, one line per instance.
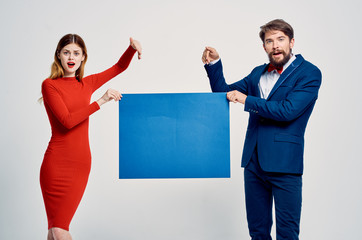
[108, 96]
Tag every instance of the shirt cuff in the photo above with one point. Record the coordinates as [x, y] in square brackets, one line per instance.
[213, 62]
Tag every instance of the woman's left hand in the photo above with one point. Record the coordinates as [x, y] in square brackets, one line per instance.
[136, 46]
[108, 96]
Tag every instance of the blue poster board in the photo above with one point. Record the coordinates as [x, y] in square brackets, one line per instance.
[174, 135]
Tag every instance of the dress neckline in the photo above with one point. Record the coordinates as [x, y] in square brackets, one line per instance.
[69, 79]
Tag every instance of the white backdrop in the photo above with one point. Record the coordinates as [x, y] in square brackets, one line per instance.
[173, 35]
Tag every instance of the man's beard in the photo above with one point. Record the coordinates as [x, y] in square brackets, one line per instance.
[286, 58]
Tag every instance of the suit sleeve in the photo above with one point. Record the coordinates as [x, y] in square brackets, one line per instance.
[217, 80]
[304, 94]
[56, 104]
[97, 80]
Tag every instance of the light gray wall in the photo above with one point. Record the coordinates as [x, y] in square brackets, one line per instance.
[173, 35]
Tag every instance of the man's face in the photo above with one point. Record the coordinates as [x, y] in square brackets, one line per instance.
[278, 46]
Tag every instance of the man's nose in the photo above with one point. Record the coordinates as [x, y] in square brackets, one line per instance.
[275, 45]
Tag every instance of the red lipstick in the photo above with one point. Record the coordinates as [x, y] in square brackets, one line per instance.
[71, 64]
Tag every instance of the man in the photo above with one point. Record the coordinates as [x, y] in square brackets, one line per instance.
[279, 97]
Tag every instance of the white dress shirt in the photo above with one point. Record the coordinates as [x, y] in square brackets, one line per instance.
[268, 79]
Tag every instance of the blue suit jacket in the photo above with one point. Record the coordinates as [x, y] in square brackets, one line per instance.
[276, 124]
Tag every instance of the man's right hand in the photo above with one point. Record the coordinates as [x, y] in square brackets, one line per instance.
[210, 54]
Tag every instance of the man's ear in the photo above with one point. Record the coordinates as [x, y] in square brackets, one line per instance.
[291, 44]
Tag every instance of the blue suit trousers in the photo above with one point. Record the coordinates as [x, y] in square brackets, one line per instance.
[261, 188]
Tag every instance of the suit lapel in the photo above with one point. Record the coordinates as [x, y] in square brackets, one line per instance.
[286, 74]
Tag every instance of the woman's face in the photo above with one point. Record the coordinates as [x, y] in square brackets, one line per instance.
[71, 57]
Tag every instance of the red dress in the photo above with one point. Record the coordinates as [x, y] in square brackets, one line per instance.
[67, 160]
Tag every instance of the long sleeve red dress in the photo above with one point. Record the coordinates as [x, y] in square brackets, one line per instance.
[67, 160]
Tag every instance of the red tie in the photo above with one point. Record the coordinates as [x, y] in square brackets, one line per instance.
[272, 67]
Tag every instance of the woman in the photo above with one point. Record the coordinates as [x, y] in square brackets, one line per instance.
[67, 160]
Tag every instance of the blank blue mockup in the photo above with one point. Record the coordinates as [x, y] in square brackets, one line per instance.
[174, 135]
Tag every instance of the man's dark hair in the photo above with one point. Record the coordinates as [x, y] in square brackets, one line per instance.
[277, 25]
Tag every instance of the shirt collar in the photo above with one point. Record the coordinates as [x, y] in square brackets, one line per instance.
[291, 59]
